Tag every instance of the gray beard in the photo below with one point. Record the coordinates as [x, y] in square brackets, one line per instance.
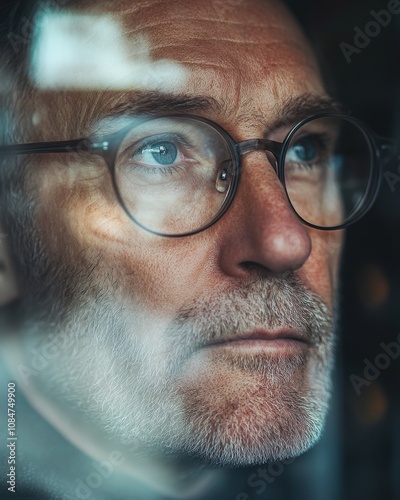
[157, 388]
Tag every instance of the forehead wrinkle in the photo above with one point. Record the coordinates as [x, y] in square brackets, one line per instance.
[248, 37]
[145, 24]
[230, 40]
[224, 21]
[222, 67]
[219, 66]
[212, 20]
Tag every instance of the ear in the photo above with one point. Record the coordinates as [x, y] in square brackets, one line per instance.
[8, 282]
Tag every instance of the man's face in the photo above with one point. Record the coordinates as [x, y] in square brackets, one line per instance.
[155, 331]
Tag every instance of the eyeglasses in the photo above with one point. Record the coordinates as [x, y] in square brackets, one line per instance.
[177, 175]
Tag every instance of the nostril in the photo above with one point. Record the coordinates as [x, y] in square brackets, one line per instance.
[255, 267]
[261, 270]
[250, 265]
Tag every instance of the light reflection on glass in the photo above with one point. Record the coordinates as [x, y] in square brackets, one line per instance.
[82, 51]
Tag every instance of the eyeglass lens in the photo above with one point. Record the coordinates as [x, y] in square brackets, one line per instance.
[174, 174]
[328, 171]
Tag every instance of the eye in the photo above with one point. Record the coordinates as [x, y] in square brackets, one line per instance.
[305, 150]
[171, 151]
[156, 153]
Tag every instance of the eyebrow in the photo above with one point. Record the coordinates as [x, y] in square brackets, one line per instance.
[293, 110]
[154, 102]
[297, 108]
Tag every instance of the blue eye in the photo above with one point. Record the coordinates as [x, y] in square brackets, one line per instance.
[162, 152]
[306, 150]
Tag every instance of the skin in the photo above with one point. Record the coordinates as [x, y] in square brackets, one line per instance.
[251, 58]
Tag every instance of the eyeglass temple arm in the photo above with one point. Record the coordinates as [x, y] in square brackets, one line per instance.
[78, 145]
[389, 149]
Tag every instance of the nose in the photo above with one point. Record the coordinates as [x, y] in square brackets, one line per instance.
[261, 232]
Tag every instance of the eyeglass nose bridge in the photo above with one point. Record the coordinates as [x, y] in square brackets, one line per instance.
[266, 145]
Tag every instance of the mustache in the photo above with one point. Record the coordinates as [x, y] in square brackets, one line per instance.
[271, 303]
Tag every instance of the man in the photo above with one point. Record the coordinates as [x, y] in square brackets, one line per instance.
[167, 320]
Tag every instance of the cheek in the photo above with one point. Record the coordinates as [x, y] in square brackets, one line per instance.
[71, 200]
[81, 223]
[320, 272]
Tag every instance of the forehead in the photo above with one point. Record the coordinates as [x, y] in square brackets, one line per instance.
[249, 54]
[223, 42]
[227, 28]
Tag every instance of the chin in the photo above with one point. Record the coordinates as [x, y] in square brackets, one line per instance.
[254, 432]
[236, 417]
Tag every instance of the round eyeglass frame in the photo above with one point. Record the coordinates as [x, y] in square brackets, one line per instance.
[381, 151]
[238, 149]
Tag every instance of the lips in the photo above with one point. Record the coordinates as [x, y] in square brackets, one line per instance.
[261, 335]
